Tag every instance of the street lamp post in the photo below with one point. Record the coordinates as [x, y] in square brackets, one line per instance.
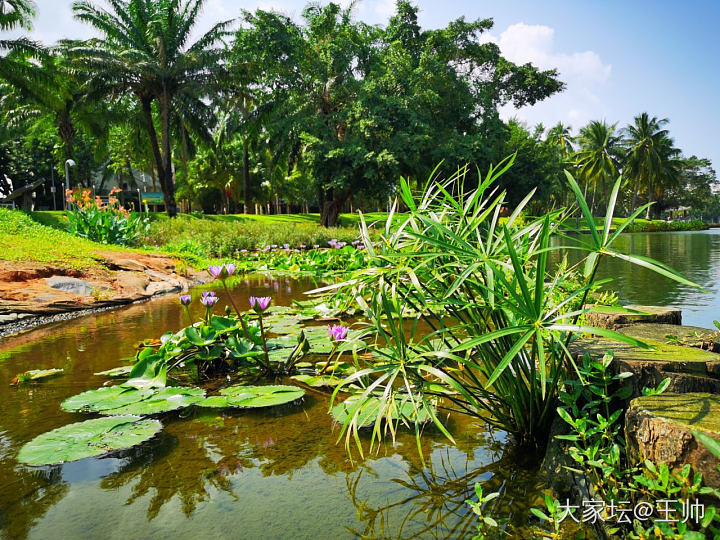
[68, 163]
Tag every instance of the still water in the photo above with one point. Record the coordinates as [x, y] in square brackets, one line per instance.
[696, 255]
[278, 473]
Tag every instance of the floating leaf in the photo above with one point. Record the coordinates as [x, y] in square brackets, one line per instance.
[261, 396]
[122, 399]
[121, 371]
[317, 381]
[165, 400]
[35, 374]
[88, 439]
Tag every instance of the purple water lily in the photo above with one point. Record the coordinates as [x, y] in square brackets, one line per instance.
[216, 270]
[260, 303]
[337, 332]
[209, 300]
[286, 246]
[185, 299]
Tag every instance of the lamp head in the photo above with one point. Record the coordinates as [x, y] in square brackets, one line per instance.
[70, 163]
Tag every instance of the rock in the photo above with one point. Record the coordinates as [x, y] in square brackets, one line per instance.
[160, 287]
[70, 284]
[691, 336]
[611, 317]
[128, 264]
[689, 369]
[659, 428]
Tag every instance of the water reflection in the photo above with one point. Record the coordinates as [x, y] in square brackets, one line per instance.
[276, 473]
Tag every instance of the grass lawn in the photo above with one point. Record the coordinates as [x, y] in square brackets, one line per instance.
[24, 240]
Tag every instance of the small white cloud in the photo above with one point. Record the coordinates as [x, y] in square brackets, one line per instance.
[583, 73]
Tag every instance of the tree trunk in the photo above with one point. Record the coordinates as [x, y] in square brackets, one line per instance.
[635, 193]
[650, 198]
[248, 208]
[332, 203]
[166, 179]
[146, 103]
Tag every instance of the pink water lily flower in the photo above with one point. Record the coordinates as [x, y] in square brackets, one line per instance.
[337, 332]
[209, 300]
[185, 299]
[260, 303]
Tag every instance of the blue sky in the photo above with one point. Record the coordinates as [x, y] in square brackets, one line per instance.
[618, 58]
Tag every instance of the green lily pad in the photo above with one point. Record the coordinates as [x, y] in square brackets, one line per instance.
[88, 439]
[370, 407]
[114, 400]
[121, 371]
[261, 396]
[35, 374]
[168, 399]
[213, 402]
[317, 381]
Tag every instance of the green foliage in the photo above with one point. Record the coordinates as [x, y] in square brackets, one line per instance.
[661, 225]
[214, 238]
[477, 507]
[500, 318]
[253, 397]
[88, 439]
[127, 399]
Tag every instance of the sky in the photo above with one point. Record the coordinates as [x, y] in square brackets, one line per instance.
[617, 58]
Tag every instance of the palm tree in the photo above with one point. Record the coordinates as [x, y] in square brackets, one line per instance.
[597, 160]
[561, 136]
[145, 53]
[650, 160]
[16, 14]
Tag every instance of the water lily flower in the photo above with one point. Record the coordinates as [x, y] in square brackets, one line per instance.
[260, 303]
[215, 270]
[286, 246]
[185, 299]
[339, 245]
[209, 300]
[337, 332]
[333, 243]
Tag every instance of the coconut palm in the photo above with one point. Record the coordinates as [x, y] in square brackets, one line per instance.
[561, 136]
[15, 14]
[597, 160]
[145, 52]
[651, 158]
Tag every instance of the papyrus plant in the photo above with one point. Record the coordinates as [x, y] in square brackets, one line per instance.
[468, 310]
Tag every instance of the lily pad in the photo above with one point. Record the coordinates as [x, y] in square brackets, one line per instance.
[35, 374]
[261, 396]
[370, 407]
[114, 400]
[121, 371]
[165, 400]
[317, 381]
[88, 439]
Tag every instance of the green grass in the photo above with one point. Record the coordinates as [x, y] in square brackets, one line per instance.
[24, 240]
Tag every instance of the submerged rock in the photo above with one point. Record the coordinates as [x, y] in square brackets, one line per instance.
[612, 317]
[659, 428]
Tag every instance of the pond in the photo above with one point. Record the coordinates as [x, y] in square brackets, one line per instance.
[278, 473]
[696, 255]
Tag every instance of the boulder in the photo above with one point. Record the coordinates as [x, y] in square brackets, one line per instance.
[612, 317]
[71, 285]
[659, 428]
[691, 336]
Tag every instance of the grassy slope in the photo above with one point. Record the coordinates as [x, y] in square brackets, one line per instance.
[25, 240]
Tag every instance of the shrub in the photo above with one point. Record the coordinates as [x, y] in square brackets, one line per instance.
[105, 223]
[213, 238]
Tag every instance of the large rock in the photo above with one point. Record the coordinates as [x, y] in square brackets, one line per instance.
[71, 285]
[659, 428]
[689, 369]
[612, 317]
[692, 336]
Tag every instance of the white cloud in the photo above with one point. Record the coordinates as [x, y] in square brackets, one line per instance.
[583, 72]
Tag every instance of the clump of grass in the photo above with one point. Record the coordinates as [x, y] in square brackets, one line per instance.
[25, 240]
[215, 238]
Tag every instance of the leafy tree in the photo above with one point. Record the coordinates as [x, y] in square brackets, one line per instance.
[16, 14]
[144, 53]
[651, 157]
[598, 157]
[369, 104]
